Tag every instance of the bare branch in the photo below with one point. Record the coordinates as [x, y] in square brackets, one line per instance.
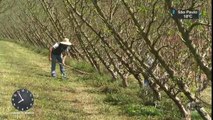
[197, 24]
[152, 17]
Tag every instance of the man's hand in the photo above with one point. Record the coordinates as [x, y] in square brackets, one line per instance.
[50, 58]
[63, 59]
[63, 63]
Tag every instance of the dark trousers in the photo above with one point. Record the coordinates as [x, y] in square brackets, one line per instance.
[55, 59]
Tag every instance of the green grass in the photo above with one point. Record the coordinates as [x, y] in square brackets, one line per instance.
[81, 65]
[82, 97]
[140, 110]
[54, 99]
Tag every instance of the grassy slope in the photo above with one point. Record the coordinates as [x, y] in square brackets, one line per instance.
[54, 99]
[82, 97]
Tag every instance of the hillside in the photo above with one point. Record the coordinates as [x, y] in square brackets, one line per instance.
[128, 59]
[54, 98]
[78, 98]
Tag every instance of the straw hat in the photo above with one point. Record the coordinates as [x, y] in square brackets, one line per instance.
[66, 41]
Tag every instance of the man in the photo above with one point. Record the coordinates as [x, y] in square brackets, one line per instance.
[58, 53]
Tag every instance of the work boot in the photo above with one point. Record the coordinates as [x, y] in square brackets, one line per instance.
[64, 77]
[53, 74]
